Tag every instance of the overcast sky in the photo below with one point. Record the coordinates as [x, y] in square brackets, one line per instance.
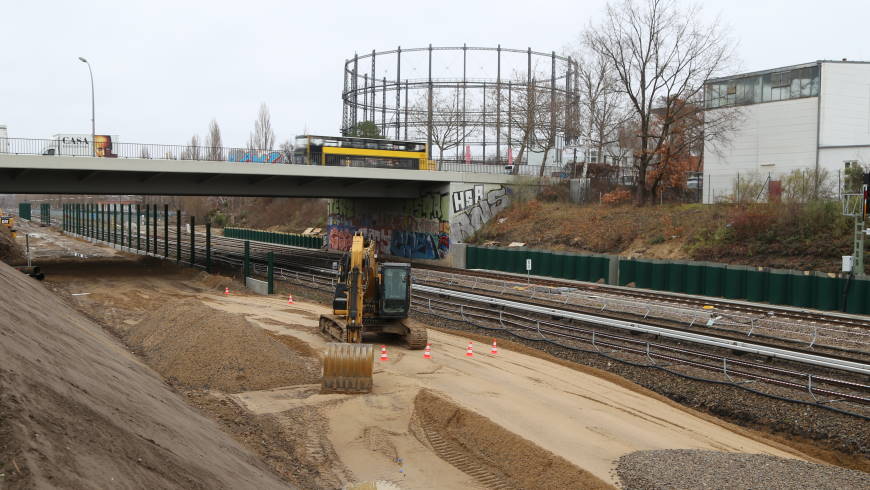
[164, 69]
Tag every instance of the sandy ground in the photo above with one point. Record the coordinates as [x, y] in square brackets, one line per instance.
[587, 420]
[569, 421]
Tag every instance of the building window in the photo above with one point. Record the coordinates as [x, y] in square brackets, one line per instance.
[781, 79]
[765, 87]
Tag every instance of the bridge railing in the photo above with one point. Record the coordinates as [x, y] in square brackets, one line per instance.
[106, 148]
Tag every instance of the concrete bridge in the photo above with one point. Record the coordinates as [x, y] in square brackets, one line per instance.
[36, 174]
[423, 215]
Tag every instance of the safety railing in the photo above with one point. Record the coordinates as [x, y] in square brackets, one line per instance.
[105, 147]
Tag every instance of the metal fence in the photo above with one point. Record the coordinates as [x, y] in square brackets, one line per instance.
[150, 151]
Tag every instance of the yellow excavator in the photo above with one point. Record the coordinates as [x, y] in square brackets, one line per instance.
[369, 298]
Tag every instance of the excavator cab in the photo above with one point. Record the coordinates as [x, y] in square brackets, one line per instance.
[395, 290]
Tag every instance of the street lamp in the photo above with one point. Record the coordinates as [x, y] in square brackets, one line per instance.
[93, 127]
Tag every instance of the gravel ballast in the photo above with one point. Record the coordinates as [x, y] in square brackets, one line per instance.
[697, 469]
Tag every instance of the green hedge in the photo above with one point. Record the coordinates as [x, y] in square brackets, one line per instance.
[292, 239]
[780, 287]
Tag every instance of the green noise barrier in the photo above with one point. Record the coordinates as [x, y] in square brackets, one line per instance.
[291, 239]
[563, 265]
[800, 289]
[24, 210]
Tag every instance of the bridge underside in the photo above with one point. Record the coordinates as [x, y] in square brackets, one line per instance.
[23, 174]
[37, 181]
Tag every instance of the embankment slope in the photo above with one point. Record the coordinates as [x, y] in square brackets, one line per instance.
[79, 411]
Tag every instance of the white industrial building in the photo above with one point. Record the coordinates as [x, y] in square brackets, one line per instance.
[797, 117]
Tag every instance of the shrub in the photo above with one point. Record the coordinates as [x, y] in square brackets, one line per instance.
[854, 178]
[218, 219]
[748, 187]
[619, 196]
[805, 185]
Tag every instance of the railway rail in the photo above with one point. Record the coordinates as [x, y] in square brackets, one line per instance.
[815, 382]
[783, 313]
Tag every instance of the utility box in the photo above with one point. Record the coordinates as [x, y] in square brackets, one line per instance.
[848, 263]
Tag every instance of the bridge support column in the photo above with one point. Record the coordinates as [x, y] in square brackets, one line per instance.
[431, 228]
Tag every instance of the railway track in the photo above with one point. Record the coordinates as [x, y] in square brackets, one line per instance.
[759, 310]
[831, 382]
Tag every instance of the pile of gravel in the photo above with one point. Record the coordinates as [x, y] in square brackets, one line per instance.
[692, 468]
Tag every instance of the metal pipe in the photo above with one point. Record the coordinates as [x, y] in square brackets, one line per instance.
[165, 230]
[192, 240]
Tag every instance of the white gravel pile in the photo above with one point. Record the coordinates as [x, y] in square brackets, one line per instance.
[696, 469]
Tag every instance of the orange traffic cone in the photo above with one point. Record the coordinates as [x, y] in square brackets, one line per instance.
[469, 351]
[226, 291]
[494, 349]
[290, 300]
[384, 353]
[427, 354]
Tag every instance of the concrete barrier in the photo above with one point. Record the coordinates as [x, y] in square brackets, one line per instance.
[257, 286]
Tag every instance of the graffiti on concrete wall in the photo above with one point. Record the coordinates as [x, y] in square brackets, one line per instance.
[411, 228]
[474, 207]
[466, 198]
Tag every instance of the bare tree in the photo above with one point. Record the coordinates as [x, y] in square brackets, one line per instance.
[263, 138]
[213, 142]
[661, 55]
[602, 108]
[550, 108]
[191, 150]
[448, 129]
[286, 149]
[526, 108]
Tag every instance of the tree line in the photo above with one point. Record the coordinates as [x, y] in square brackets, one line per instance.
[261, 139]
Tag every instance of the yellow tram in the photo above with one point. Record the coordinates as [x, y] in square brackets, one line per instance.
[348, 151]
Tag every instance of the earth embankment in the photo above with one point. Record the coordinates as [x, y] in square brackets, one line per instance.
[77, 410]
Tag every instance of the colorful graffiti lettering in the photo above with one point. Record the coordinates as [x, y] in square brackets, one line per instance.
[416, 245]
[258, 157]
[410, 228]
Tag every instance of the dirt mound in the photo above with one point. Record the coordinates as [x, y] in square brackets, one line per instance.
[493, 455]
[10, 252]
[77, 410]
[204, 348]
[691, 468]
[219, 282]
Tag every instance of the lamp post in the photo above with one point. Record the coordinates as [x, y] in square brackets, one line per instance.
[93, 126]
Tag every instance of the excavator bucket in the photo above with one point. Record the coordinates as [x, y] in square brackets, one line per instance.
[347, 368]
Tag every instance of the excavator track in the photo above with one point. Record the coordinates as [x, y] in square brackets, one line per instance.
[333, 328]
[417, 336]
